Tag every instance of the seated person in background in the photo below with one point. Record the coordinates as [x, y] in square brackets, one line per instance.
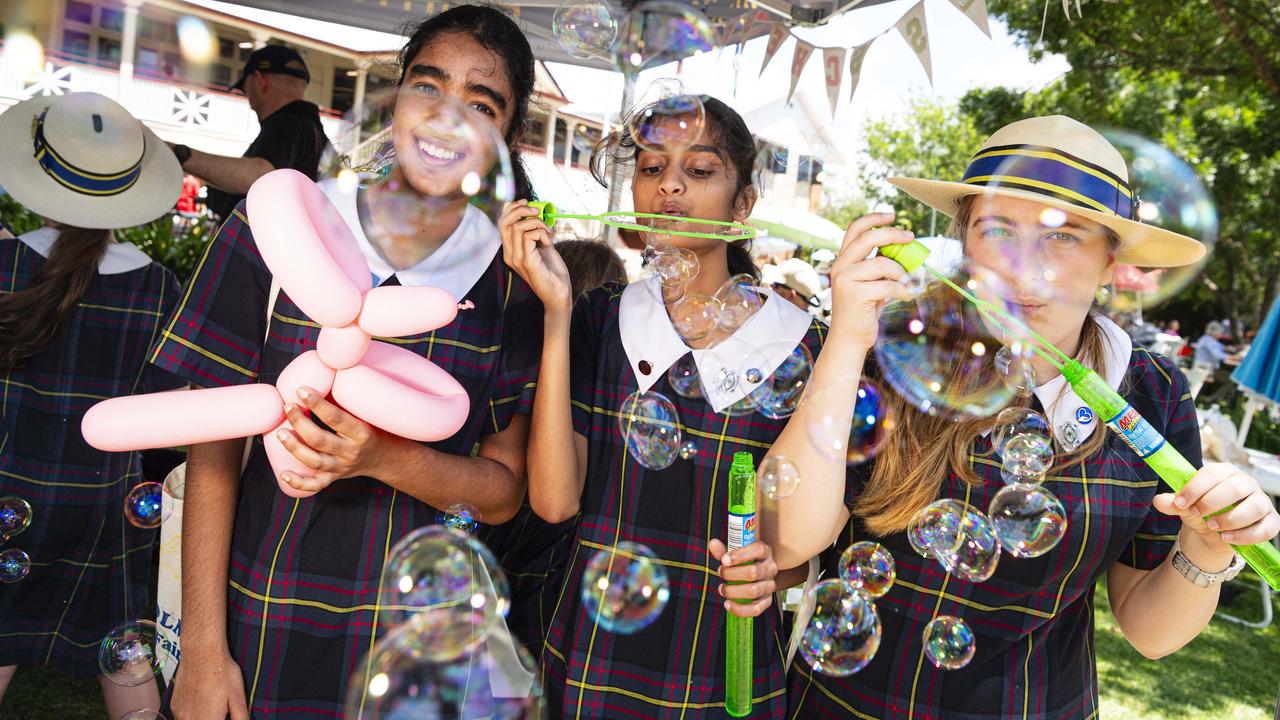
[591, 263]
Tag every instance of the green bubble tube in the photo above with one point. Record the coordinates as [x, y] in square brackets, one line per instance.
[1118, 414]
[738, 630]
[726, 230]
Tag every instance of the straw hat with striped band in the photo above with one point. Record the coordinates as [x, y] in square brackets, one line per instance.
[1066, 164]
[81, 159]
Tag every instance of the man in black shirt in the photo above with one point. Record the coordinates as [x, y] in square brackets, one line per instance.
[274, 79]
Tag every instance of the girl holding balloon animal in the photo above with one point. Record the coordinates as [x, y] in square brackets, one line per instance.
[78, 312]
[981, 639]
[281, 592]
[642, 341]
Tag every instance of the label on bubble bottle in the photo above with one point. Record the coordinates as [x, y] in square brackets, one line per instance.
[1136, 432]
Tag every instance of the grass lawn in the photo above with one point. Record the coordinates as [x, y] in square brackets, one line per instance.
[1229, 672]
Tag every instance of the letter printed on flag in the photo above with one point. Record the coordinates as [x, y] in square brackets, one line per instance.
[798, 61]
[856, 56]
[975, 10]
[914, 31]
[833, 72]
[777, 34]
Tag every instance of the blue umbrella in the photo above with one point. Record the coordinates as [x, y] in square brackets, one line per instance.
[1259, 371]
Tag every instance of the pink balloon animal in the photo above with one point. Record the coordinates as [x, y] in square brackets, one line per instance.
[312, 254]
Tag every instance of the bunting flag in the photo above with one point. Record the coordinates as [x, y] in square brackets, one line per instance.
[798, 60]
[856, 56]
[914, 31]
[777, 34]
[975, 10]
[832, 71]
[749, 19]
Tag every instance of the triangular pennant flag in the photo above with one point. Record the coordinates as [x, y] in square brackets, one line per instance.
[777, 34]
[975, 10]
[856, 56]
[749, 20]
[833, 72]
[798, 60]
[914, 31]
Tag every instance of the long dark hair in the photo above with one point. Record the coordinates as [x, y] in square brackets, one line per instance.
[729, 135]
[31, 317]
[494, 29]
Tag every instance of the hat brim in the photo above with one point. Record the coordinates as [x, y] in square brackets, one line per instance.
[1141, 244]
[155, 192]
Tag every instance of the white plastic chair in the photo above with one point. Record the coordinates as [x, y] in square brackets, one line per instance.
[1265, 468]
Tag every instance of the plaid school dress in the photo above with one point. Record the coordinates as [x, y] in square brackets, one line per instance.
[675, 667]
[1033, 620]
[304, 573]
[89, 566]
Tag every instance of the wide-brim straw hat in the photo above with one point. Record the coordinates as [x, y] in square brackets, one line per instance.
[1062, 163]
[81, 159]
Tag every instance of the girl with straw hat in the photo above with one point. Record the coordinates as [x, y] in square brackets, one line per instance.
[78, 312]
[1058, 184]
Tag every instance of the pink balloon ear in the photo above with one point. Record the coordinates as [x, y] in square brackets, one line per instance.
[306, 370]
[281, 460]
[403, 310]
[342, 347]
[307, 246]
[403, 393]
[181, 417]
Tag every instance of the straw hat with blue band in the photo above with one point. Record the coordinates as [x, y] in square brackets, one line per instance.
[1066, 164]
[81, 159]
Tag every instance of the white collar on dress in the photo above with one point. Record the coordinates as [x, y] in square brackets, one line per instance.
[120, 257]
[1069, 417]
[455, 266]
[753, 351]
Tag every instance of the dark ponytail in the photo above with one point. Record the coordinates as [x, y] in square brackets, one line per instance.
[729, 135]
[494, 29]
[30, 318]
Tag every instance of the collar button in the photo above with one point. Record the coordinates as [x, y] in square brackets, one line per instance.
[645, 367]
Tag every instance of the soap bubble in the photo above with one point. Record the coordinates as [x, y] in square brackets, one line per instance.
[195, 40]
[668, 124]
[695, 316]
[688, 450]
[1028, 520]
[975, 556]
[683, 377]
[14, 565]
[745, 406]
[781, 392]
[459, 516]
[650, 427]
[175, 485]
[15, 516]
[739, 301]
[868, 568]
[422, 160]
[441, 567]
[778, 477]
[871, 424]
[406, 675]
[1017, 421]
[1014, 364]
[144, 505]
[1027, 454]
[585, 29]
[938, 350]
[948, 642]
[844, 632]
[127, 655]
[673, 266]
[935, 528]
[658, 32]
[624, 588]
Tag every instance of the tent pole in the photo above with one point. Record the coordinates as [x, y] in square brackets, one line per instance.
[617, 174]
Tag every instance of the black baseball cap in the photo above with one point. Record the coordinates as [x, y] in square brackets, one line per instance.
[273, 59]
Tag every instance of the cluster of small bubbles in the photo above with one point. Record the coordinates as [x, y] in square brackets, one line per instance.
[15, 516]
[683, 378]
[872, 421]
[658, 32]
[843, 633]
[948, 642]
[14, 565]
[650, 428]
[1027, 519]
[978, 551]
[144, 505]
[778, 477]
[459, 516]
[624, 588]
[127, 655]
[781, 392]
[585, 29]
[674, 266]
[442, 567]
[688, 450]
[868, 568]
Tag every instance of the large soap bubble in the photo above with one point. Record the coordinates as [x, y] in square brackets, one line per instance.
[779, 394]
[585, 29]
[624, 588]
[650, 427]
[868, 568]
[438, 566]
[948, 642]
[1028, 520]
[843, 633]
[127, 655]
[658, 32]
[872, 421]
[670, 122]
[14, 565]
[15, 516]
[144, 505]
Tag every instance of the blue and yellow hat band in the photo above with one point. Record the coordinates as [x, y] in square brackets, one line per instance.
[77, 179]
[1051, 172]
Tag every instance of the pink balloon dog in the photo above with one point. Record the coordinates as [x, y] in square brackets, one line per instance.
[315, 259]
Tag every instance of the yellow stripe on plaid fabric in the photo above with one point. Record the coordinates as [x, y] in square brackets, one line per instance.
[50, 393]
[1056, 157]
[854, 712]
[1088, 518]
[373, 636]
[186, 292]
[69, 601]
[267, 602]
[683, 706]
[252, 375]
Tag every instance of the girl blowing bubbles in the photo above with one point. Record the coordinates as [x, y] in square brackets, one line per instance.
[614, 342]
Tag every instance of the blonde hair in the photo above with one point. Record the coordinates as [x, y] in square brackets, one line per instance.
[921, 449]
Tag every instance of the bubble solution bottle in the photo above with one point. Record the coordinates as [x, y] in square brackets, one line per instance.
[738, 630]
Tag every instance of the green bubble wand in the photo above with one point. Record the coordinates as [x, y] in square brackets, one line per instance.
[1118, 414]
[726, 230]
